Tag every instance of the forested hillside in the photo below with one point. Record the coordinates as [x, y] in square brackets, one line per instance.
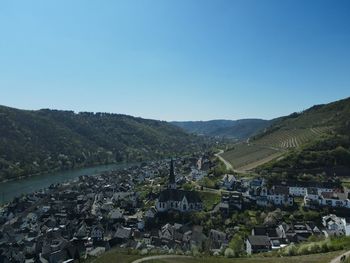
[37, 141]
[239, 129]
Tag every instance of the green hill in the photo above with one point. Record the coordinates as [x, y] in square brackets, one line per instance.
[239, 129]
[38, 141]
[315, 139]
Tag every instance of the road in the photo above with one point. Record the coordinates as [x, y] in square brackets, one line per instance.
[159, 257]
[228, 165]
[341, 258]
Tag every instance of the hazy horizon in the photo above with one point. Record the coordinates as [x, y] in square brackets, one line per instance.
[184, 120]
[175, 60]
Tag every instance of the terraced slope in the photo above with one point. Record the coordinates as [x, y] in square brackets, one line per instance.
[291, 138]
[245, 154]
[248, 155]
[290, 132]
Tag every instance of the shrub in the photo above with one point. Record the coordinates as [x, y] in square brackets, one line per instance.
[303, 250]
[313, 248]
[291, 250]
[229, 253]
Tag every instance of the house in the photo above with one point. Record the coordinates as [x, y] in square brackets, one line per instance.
[121, 235]
[257, 244]
[217, 239]
[279, 195]
[97, 233]
[116, 214]
[296, 232]
[231, 201]
[175, 199]
[150, 213]
[228, 181]
[298, 188]
[262, 201]
[194, 237]
[335, 199]
[336, 225]
[168, 231]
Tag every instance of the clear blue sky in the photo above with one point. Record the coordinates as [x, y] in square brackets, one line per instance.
[175, 59]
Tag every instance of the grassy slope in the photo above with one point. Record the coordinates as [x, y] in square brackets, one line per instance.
[317, 258]
[210, 200]
[291, 132]
[114, 256]
[39, 141]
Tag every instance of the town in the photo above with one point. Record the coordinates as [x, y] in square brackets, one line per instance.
[184, 205]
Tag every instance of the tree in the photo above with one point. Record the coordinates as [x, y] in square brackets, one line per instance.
[237, 245]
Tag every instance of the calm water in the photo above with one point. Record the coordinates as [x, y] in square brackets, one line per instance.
[12, 189]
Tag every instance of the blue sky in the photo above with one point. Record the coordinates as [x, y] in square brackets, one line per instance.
[175, 59]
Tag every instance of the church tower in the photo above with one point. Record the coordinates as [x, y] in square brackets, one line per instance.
[172, 183]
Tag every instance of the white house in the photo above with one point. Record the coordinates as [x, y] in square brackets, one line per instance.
[279, 195]
[331, 199]
[297, 190]
[336, 224]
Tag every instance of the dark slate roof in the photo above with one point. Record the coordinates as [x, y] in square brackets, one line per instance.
[312, 191]
[281, 190]
[259, 240]
[123, 233]
[265, 231]
[307, 184]
[178, 195]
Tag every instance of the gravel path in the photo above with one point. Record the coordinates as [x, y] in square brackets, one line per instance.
[159, 257]
[341, 258]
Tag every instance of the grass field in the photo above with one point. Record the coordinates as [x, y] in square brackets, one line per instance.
[316, 258]
[209, 200]
[122, 257]
[113, 255]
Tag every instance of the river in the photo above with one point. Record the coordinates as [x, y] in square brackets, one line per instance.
[12, 189]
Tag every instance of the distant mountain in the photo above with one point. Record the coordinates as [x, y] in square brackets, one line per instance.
[317, 139]
[38, 141]
[238, 129]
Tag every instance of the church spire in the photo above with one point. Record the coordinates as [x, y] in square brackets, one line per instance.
[172, 183]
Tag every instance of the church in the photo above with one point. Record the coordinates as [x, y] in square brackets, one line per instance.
[175, 199]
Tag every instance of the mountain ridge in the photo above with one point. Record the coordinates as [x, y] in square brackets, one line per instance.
[237, 129]
[44, 140]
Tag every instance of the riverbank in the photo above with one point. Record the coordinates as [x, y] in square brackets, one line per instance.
[58, 170]
[15, 188]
